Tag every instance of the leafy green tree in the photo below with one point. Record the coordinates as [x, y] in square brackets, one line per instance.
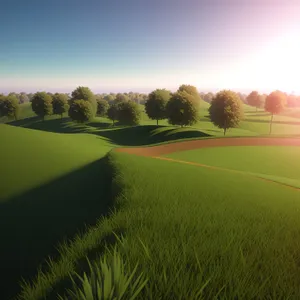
[226, 110]
[41, 104]
[121, 98]
[10, 107]
[129, 113]
[60, 104]
[275, 103]
[182, 109]
[155, 106]
[113, 112]
[190, 89]
[109, 99]
[81, 111]
[102, 108]
[254, 99]
[84, 93]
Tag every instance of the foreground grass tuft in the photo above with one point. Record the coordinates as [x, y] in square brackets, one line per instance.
[108, 280]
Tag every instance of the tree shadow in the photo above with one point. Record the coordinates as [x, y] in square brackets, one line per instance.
[32, 224]
[63, 125]
[149, 134]
[274, 122]
[119, 134]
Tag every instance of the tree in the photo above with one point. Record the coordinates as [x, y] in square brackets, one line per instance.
[182, 109]
[102, 107]
[81, 111]
[190, 89]
[155, 106]
[109, 99]
[60, 104]
[10, 107]
[113, 112]
[254, 99]
[23, 98]
[274, 104]
[226, 110]
[121, 98]
[84, 93]
[41, 104]
[128, 113]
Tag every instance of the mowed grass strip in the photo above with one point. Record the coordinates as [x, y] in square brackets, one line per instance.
[199, 233]
[280, 161]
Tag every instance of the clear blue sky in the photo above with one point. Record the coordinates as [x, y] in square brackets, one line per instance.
[141, 45]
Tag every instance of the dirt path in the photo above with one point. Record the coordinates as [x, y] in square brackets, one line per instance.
[156, 151]
[218, 142]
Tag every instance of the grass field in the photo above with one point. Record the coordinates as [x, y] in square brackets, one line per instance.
[280, 163]
[188, 227]
[236, 232]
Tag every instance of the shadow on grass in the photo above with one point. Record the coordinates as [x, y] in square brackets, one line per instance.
[118, 134]
[149, 134]
[33, 223]
[53, 125]
[274, 121]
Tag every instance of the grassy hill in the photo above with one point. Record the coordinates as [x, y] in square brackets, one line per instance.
[192, 228]
[58, 178]
[51, 186]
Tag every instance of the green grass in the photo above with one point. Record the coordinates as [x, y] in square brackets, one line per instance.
[56, 178]
[190, 227]
[51, 186]
[31, 158]
[279, 161]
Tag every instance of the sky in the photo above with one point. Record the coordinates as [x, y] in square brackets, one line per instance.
[141, 45]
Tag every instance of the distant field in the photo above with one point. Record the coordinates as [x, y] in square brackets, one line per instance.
[281, 163]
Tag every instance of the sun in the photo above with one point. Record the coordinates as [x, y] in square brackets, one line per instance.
[274, 65]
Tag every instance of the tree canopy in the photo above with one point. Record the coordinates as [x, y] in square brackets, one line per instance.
[113, 112]
[84, 93]
[190, 89]
[128, 113]
[226, 110]
[41, 104]
[9, 106]
[254, 99]
[155, 106]
[81, 111]
[102, 107]
[60, 104]
[182, 109]
[275, 103]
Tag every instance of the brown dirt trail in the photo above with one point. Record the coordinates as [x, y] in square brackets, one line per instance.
[218, 142]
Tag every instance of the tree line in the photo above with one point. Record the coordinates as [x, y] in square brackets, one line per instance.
[179, 108]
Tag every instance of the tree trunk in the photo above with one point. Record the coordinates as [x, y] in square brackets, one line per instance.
[271, 124]
[225, 131]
